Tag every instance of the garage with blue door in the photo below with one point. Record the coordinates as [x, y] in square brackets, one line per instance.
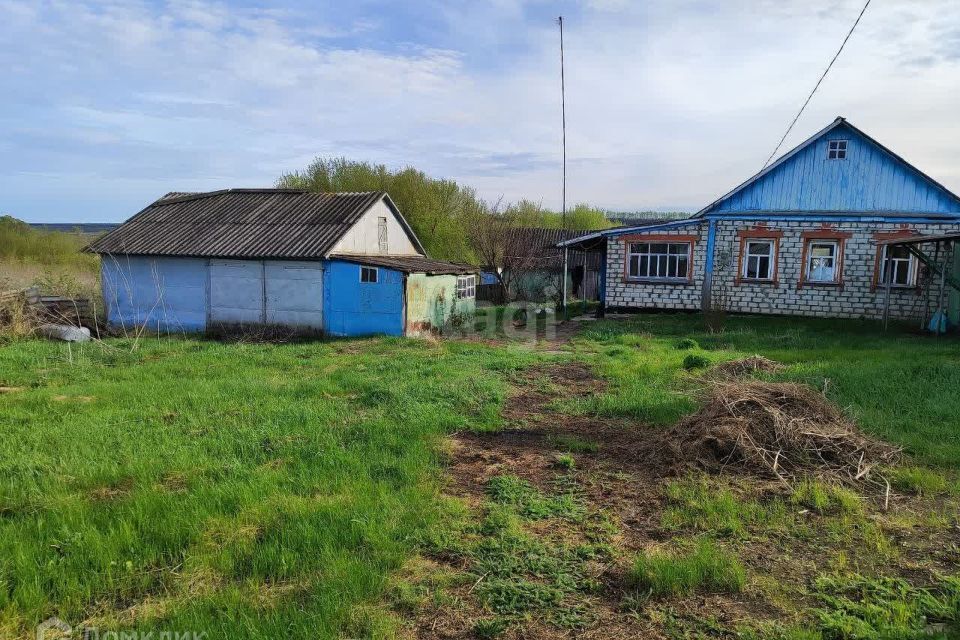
[316, 262]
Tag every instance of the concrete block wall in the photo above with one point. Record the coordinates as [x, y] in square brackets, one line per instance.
[856, 297]
[621, 293]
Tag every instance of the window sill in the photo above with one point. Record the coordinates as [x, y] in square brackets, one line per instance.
[815, 283]
[670, 281]
[757, 281]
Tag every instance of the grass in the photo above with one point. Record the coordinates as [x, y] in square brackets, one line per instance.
[899, 386]
[51, 259]
[243, 490]
[706, 568]
[250, 490]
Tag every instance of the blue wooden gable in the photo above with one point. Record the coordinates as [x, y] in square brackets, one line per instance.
[871, 178]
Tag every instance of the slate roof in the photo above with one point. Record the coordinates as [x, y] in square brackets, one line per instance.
[243, 223]
[409, 264]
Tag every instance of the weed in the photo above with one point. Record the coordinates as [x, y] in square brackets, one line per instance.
[489, 628]
[528, 501]
[823, 497]
[685, 344]
[564, 461]
[695, 361]
[694, 503]
[918, 480]
[572, 444]
[707, 568]
[879, 608]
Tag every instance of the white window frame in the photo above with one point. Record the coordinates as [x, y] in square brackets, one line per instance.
[366, 270]
[667, 260]
[466, 287]
[837, 149]
[771, 255]
[836, 257]
[911, 270]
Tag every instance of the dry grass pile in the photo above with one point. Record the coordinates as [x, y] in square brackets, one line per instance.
[747, 366]
[779, 430]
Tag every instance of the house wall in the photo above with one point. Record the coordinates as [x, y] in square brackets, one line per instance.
[869, 179]
[363, 237]
[353, 308]
[432, 302]
[856, 297]
[160, 294]
[623, 293]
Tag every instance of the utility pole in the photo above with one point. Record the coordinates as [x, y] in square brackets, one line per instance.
[563, 199]
[563, 115]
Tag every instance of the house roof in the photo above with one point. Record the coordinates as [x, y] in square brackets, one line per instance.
[837, 123]
[244, 223]
[587, 240]
[409, 264]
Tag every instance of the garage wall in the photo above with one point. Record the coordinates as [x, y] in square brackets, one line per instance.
[354, 308]
[163, 294]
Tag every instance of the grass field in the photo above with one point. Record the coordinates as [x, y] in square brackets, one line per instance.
[256, 490]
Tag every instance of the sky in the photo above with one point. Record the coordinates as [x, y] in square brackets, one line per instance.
[670, 103]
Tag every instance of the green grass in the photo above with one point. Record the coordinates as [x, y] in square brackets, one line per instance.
[249, 490]
[898, 386]
[706, 568]
[242, 490]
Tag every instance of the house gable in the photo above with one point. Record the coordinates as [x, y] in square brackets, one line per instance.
[363, 238]
[869, 179]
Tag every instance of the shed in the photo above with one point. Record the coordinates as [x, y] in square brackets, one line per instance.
[342, 264]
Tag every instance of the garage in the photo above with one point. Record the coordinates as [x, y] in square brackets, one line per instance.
[278, 292]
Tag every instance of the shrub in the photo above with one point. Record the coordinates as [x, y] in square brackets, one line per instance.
[685, 344]
[707, 568]
[695, 361]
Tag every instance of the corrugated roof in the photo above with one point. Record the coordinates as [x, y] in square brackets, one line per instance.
[410, 264]
[243, 223]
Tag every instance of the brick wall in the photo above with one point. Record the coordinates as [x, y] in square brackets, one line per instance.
[855, 297]
[623, 293]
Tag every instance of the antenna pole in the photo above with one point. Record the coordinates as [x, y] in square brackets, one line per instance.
[563, 112]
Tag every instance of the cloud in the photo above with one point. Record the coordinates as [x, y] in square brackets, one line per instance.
[669, 103]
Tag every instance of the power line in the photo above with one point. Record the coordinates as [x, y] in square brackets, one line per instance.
[817, 86]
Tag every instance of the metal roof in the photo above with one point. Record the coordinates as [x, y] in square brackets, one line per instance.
[244, 223]
[409, 264]
[940, 237]
[617, 231]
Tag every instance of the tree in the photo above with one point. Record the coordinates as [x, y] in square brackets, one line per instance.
[436, 209]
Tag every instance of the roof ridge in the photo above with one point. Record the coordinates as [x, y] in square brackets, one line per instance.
[200, 195]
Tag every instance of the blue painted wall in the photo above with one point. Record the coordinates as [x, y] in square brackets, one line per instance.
[354, 308]
[869, 179]
[163, 294]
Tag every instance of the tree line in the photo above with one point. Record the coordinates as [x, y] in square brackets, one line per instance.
[450, 219]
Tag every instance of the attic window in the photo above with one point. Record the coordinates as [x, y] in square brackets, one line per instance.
[837, 150]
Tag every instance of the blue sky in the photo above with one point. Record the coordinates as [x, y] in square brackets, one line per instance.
[670, 103]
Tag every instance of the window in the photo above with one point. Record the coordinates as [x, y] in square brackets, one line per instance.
[466, 286]
[837, 149]
[659, 260]
[368, 275]
[822, 261]
[759, 259]
[382, 235]
[900, 264]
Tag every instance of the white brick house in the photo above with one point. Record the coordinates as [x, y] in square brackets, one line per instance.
[800, 238]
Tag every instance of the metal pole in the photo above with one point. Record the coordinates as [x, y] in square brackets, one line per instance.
[563, 114]
[887, 268]
[566, 251]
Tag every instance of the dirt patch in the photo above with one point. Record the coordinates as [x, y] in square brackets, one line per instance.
[773, 429]
[747, 366]
[11, 389]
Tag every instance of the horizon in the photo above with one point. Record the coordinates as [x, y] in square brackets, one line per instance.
[669, 105]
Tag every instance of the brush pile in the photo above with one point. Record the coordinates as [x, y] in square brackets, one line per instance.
[777, 430]
[747, 366]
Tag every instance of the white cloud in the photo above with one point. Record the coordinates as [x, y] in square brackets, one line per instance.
[668, 103]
